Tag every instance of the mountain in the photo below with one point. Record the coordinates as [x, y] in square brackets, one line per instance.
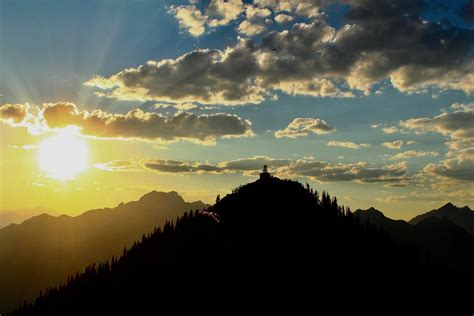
[17, 216]
[438, 237]
[462, 216]
[44, 250]
[271, 246]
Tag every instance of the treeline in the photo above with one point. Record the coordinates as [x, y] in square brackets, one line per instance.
[271, 246]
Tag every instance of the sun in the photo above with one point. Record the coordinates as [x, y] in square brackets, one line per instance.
[64, 155]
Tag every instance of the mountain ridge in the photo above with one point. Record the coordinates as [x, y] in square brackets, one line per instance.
[269, 245]
[44, 249]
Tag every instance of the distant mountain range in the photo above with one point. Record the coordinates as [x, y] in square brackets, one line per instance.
[44, 250]
[441, 232]
[17, 216]
[273, 246]
[462, 216]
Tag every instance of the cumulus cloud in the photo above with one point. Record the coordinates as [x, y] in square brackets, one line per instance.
[397, 144]
[458, 124]
[13, 113]
[190, 18]
[350, 145]
[204, 76]
[307, 8]
[283, 18]
[458, 169]
[224, 11]
[303, 127]
[310, 58]
[414, 154]
[251, 29]
[137, 124]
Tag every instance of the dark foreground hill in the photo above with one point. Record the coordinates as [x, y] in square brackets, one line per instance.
[270, 247]
[44, 250]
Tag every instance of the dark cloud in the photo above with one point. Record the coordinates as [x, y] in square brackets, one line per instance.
[177, 166]
[253, 164]
[362, 172]
[148, 126]
[204, 76]
[383, 39]
[456, 168]
[13, 113]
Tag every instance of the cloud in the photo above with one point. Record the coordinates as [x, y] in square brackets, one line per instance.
[137, 124]
[306, 8]
[303, 127]
[251, 29]
[224, 11]
[203, 76]
[458, 169]
[458, 124]
[190, 18]
[13, 113]
[362, 172]
[283, 18]
[414, 154]
[397, 144]
[118, 165]
[256, 12]
[310, 58]
[350, 145]
[177, 166]
[179, 107]
[253, 165]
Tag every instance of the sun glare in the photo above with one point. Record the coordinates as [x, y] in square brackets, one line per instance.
[63, 156]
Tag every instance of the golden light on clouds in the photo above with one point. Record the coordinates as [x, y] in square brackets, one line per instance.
[63, 156]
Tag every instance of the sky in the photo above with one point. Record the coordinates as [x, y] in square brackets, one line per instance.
[103, 101]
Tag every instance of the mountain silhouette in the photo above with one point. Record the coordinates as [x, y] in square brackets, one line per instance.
[44, 250]
[440, 238]
[271, 246]
[16, 216]
[462, 216]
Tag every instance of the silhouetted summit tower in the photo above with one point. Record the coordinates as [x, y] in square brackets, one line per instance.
[265, 175]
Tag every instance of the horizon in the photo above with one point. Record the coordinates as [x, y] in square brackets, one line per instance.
[56, 213]
[104, 101]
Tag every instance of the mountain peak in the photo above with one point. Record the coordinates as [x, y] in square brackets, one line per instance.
[448, 205]
[155, 196]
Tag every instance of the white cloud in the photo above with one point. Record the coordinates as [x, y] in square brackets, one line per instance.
[397, 144]
[303, 127]
[283, 18]
[345, 144]
[191, 19]
[414, 154]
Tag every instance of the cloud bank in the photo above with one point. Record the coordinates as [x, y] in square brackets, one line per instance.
[381, 40]
[137, 124]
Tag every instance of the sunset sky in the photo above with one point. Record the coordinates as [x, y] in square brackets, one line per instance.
[102, 101]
